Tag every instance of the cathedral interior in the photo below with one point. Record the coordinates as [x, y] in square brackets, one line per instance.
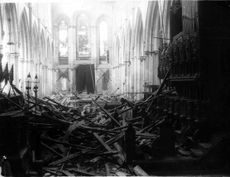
[115, 88]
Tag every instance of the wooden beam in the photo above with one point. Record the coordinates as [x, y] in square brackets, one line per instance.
[139, 171]
[108, 114]
[102, 142]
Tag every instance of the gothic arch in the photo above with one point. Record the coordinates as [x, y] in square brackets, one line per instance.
[83, 35]
[123, 44]
[8, 32]
[35, 42]
[79, 13]
[24, 35]
[117, 50]
[48, 51]
[139, 34]
[43, 47]
[103, 17]
[107, 21]
[152, 25]
[12, 22]
[1, 23]
[138, 46]
[63, 17]
[129, 39]
[155, 36]
[52, 51]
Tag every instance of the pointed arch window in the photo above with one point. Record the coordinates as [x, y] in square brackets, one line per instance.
[83, 45]
[103, 47]
[63, 39]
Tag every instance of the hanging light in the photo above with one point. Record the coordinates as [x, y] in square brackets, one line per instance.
[36, 81]
[28, 82]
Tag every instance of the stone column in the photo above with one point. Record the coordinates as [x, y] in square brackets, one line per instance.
[31, 68]
[46, 84]
[155, 69]
[72, 79]
[1, 55]
[150, 69]
[53, 80]
[40, 79]
[49, 81]
[55, 30]
[16, 69]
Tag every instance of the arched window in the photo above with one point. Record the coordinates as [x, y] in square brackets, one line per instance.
[103, 48]
[63, 39]
[83, 45]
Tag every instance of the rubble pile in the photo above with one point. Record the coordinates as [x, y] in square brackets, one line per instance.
[97, 135]
[89, 139]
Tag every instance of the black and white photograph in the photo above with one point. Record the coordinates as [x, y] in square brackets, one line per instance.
[114, 88]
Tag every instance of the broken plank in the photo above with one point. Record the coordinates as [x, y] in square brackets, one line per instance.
[67, 173]
[115, 139]
[82, 172]
[64, 159]
[121, 154]
[109, 115]
[102, 142]
[107, 169]
[51, 149]
[97, 129]
[65, 143]
[119, 128]
[139, 171]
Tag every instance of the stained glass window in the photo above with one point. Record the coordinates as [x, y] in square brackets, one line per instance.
[83, 49]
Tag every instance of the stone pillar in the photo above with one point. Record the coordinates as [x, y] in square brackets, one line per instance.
[16, 70]
[20, 74]
[134, 74]
[31, 69]
[46, 84]
[1, 53]
[72, 79]
[53, 80]
[55, 35]
[42, 79]
[150, 69]
[40, 88]
[49, 81]
[155, 69]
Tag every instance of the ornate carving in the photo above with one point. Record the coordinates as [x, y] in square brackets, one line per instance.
[163, 66]
[184, 56]
[64, 74]
[176, 6]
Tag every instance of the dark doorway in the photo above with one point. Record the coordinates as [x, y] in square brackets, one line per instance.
[85, 78]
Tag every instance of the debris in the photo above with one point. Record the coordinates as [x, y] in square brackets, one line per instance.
[97, 135]
[139, 171]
